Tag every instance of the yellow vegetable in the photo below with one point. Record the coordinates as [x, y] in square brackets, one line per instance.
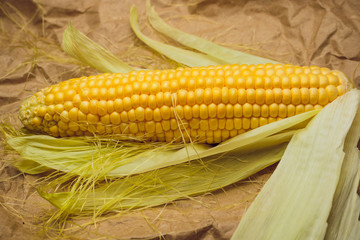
[207, 104]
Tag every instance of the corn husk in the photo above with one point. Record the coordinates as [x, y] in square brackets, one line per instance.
[163, 185]
[343, 221]
[79, 46]
[117, 158]
[183, 56]
[296, 201]
[223, 54]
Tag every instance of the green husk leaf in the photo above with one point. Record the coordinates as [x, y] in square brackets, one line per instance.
[90, 53]
[224, 54]
[344, 216]
[166, 184]
[104, 158]
[186, 57]
[296, 201]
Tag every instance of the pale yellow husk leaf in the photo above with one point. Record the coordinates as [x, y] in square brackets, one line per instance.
[79, 46]
[344, 216]
[224, 54]
[163, 185]
[183, 56]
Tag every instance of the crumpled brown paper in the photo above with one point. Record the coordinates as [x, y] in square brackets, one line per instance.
[325, 33]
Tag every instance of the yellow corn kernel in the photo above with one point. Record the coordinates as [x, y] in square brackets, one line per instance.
[238, 110]
[260, 96]
[190, 98]
[216, 94]
[269, 96]
[238, 123]
[291, 110]
[102, 107]
[59, 97]
[314, 81]
[199, 96]
[208, 96]
[314, 96]
[333, 80]
[165, 124]
[73, 126]
[286, 96]
[309, 107]
[225, 134]
[93, 107]
[175, 125]
[165, 112]
[278, 95]
[204, 114]
[256, 110]
[54, 129]
[242, 96]
[250, 82]
[110, 106]
[135, 101]
[194, 123]
[229, 111]
[222, 123]
[254, 123]
[247, 110]
[251, 96]
[105, 119]
[233, 96]
[50, 99]
[264, 111]
[73, 114]
[213, 124]
[204, 125]
[282, 110]
[133, 128]
[273, 110]
[150, 127]
[246, 123]
[212, 109]
[323, 97]
[299, 109]
[323, 81]
[140, 114]
[229, 125]
[221, 110]
[263, 121]
[62, 125]
[271, 119]
[341, 89]
[332, 92]
[131, 115]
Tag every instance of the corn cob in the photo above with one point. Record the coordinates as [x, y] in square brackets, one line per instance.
[209, 104]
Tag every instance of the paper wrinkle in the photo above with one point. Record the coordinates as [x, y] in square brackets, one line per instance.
[325, 33]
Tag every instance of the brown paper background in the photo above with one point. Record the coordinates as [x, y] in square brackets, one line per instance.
[317, 32]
